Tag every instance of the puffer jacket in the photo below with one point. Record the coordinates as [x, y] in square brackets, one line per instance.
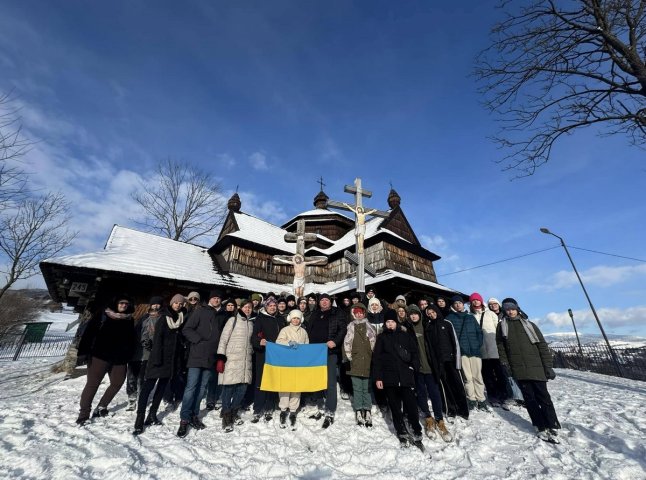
[468, 331]
[292, 333]
[236, 351]
[526, 360]
[488, 322]
[388, 365]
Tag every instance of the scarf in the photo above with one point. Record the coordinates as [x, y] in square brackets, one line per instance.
[529, 329]
[175, 324]
[117, 316]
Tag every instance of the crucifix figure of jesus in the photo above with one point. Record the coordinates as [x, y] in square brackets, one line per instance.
[299, 261]
[360, 224]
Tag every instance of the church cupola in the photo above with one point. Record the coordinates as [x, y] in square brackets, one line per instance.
[320, 201]
[393, 199]
[234, 203]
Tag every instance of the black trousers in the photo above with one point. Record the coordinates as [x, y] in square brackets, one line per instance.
[146, 388]
[454, 395]
[135, 377]
[539, 404]
[403, 395]
[494, 379]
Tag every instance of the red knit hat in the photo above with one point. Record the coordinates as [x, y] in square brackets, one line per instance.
[475, 296]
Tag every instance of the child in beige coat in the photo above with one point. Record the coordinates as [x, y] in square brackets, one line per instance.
[290, 335]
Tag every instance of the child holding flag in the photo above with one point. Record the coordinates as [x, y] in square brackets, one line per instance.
[292, 334]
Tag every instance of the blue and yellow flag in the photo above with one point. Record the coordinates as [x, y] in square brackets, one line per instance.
[301, 368]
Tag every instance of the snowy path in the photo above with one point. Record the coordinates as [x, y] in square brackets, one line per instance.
[603, 436]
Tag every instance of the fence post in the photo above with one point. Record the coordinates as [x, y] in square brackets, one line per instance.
[20, 345]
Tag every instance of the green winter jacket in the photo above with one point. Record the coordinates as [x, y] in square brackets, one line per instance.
[526, 360]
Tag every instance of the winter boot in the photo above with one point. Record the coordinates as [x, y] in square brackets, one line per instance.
[210, 406]
[444, 433]
[139, 424]
[182, 431]
[430, 428]
[472, 404]
[132, 403]
[256, 417]
[100, 412]
[403, 441]
[484, 407]
[329, 420]
[317, 415]
[292, 420]
[368, 418]
[283, 419]
[268, 416]
[197, 424]
[152, 419]
[228, 419]
[82, 419]
[236, 417]
[358, 415]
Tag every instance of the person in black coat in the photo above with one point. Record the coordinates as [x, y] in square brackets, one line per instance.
[396, 359]
[266, 329]
[327, 325]
[163, 364]
[441, 339]
[109, 340]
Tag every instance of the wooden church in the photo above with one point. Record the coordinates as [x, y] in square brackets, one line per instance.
[241, 260]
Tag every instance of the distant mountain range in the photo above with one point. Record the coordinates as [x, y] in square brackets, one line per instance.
[569, 338]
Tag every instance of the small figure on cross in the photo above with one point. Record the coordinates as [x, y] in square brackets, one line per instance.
[360, 228]
[299, 263]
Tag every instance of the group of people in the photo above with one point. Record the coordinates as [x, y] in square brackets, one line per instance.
[396, 356]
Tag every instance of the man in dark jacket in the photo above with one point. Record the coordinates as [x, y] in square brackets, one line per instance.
[266, 328]
[327, 325]
[526, 356]
[202, 330]
[441, 340]
[470, 339]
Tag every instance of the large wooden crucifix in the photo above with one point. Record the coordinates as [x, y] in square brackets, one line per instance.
[360, 224]
[299, 261]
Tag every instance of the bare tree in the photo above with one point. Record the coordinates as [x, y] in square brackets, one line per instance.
[35, 231]
[12, 146]
[557, 67]
[181, 202]
[17, 309]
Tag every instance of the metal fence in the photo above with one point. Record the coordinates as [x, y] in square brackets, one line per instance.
[18, 345]
[597, 358]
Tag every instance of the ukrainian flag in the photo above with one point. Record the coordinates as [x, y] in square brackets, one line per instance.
[302, 368]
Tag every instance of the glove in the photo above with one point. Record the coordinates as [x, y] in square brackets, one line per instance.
[292, 343]
[550, 373]
[147, 344]
[219, 366]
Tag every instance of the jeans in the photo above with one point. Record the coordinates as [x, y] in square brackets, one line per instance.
[213, 390]
[425, 387]
[328, 397]
[232, 396]
[196, 382]
[135, 377]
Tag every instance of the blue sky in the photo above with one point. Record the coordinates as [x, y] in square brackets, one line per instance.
[271, 95]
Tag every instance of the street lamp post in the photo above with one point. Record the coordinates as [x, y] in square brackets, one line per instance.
[569, 311]
[594, 312]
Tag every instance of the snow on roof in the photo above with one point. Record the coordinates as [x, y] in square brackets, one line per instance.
[351, 283]
[132, 251]
[259, 231]
[348, 240]
[318, 212]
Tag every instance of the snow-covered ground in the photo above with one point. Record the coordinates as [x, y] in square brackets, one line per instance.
[603, 418]
[561, 339]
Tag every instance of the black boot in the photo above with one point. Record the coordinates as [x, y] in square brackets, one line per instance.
[228, 419]
[292, 420]
[283, 419]
[139, 424]
[152, 419]
[329, 420]
[236, 417]
[197, 424]
[183, 429]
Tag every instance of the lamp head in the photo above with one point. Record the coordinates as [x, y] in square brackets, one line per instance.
[545, 230]
[569, 311]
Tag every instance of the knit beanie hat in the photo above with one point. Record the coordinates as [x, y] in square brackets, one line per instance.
[270, 300]
[476, 296]
[360, 306]
[373, 301]
[414, 309]
[325, 295]
[295, 313]
[216, 293]
[291, 297]
[356, 295]
[494, 300]
[510, 304]
[257, 297]
[400, 298]
[456, 298]
[194, 295]
[229, 301]
[390, 314]
[177, 298]
[281, 300]
[156, 301]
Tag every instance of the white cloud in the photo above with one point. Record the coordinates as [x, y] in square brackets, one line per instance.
[433, 242]
[269, 210]
[225, 160]
[258, 161]
[601, 275]
[609, 317]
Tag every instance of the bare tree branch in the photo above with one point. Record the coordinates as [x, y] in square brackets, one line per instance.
[554, 69]
[36, 230]
[181, 203]
[12, 147]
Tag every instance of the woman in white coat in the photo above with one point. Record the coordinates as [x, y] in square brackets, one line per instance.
[234, 363]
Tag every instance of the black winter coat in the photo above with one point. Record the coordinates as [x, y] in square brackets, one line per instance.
[165, 357]
[202, 330]
[432, 351]
[336, 327]
[389, 367]
[113, 341]
[268, 327]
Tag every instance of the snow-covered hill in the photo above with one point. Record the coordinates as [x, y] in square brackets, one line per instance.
[619, 341]
[603, 420]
